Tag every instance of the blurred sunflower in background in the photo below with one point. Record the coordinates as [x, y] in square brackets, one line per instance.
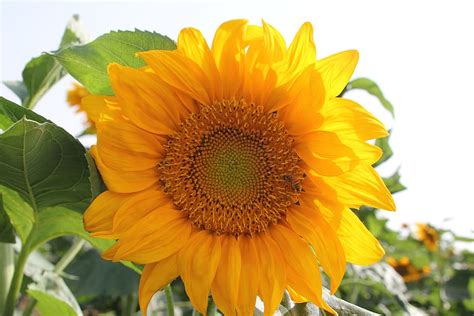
[406, 269]
[428, 235]
[235, 167]
[74, 99]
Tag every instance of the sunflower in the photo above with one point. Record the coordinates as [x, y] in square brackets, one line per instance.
[235, 167]
[74, 99]
[428, 235]
[407, 270]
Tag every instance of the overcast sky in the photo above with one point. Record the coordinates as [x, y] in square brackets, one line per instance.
[419, 52]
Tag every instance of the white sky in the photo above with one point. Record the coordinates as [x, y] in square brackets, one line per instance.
[419, 52]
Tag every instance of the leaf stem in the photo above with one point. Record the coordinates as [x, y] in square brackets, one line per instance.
[16, 281]
[169, 300]
[69, 255]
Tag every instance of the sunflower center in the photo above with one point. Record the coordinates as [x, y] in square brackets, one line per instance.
[232, 168]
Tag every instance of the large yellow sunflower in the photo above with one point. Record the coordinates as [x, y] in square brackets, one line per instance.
[235, 167]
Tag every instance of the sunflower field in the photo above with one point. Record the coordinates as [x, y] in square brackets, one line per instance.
[235, 176]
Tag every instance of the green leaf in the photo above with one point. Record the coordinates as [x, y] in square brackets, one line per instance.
[7, 233]
[97, 185]
[44, 181]
[45, 165]
[464, 239]
[18, 87]
[372, 88]
[11, 113]
[95, 276]
[88, 63]
[42, 72]
[393, 183]
[49, 305]
[20, 212]
[383, 143]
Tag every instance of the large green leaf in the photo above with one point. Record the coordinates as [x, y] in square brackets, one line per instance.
[49, 305]
[88, 63]
[43, 180]
[42, 72]
[45, 165]
[94, 276]
[11, 113]
[371, 87]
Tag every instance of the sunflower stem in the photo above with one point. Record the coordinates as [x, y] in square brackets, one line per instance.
[7, 264]
[169, 300]
[211, 308]
[16, 281]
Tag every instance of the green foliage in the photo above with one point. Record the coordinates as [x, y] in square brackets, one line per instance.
[42, 72]
[7, 232]
[383, 143]
[11, 113]
[96, 277]
[371, 87]
[393, 183]
[50, 305]
[88, 63]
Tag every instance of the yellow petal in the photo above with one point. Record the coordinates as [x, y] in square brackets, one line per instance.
[193, 45]
[179, 72]
[124, 146]
[329, 154]
[302, 115]
[249, 276]
[360, 246]
[302, 270]
[310, 225]
[197, 264]
[93, 105]
[124, 181]
[348, 119]
[295, 297]
[300, 55]
[156, 276]
[266, 46]
[152, 239]
[272, 273]
[337, 70]
[228, 50]
[100, 214]
[225, 286]
[138, 207]
[362, 186]
[145, 100]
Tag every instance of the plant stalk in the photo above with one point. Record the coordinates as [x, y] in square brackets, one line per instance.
[169, 300]
[16, 281]
[7, 264]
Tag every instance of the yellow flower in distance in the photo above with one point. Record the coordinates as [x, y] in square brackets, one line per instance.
[428, 235]
[407, 270]
[235, 167]
[74, 98]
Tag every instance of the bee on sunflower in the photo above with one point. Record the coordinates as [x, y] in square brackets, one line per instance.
[235, 167]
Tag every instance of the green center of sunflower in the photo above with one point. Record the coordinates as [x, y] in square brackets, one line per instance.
[232, 168]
